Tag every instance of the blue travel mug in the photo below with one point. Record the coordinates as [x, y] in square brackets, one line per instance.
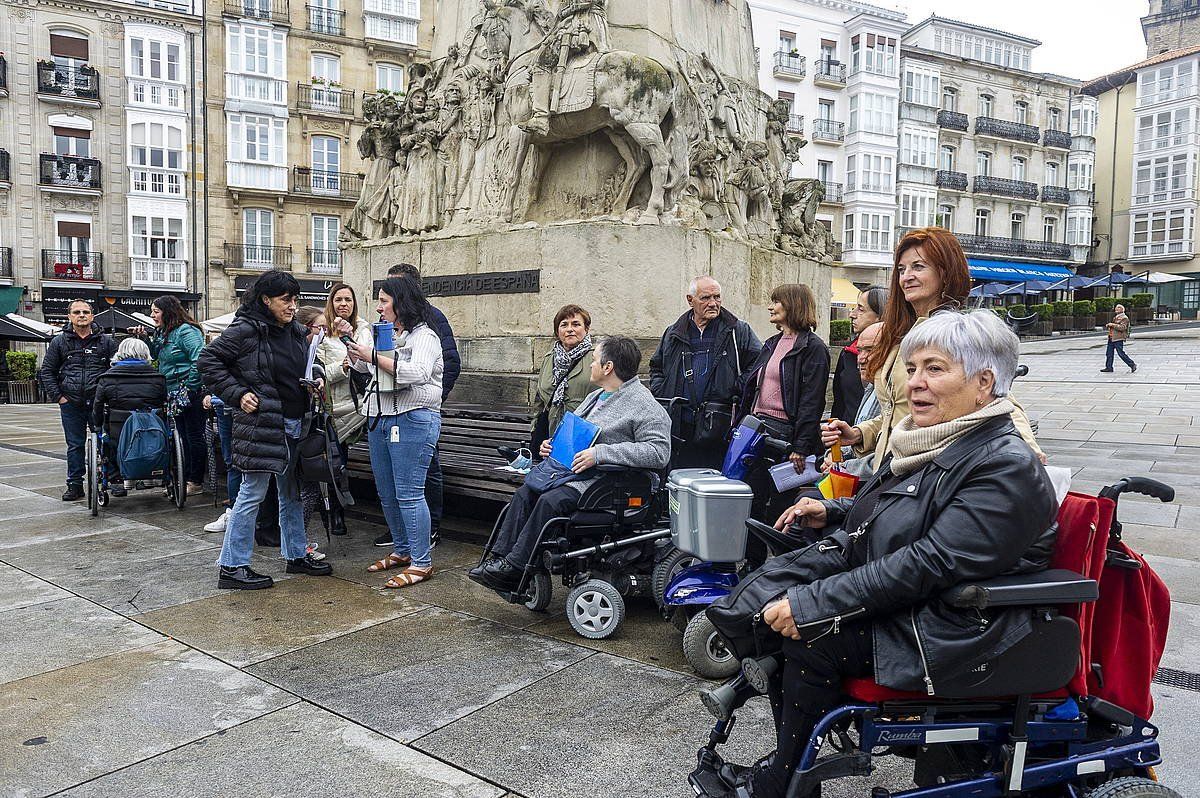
[384, 334]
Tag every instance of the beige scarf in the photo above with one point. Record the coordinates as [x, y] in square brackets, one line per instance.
[912, 446]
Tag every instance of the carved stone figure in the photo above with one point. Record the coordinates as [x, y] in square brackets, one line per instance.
[751, 201]
[417, 205]
[372, 214]
[800, 231]
[702, 204]
[581, 31]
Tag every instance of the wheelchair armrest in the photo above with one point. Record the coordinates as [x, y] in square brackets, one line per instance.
[604, 493]
[1045, 587]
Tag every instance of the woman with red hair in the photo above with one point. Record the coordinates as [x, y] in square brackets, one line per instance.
[930, 275]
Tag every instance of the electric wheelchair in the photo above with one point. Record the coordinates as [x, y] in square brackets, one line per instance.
[603, 552]
[100, 470]
[1064, 712]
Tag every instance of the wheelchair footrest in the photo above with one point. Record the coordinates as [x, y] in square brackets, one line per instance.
[835, 766]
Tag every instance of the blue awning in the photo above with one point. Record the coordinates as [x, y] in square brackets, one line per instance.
[1012, 272]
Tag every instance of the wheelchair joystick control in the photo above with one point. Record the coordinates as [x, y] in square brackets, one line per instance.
[758, 672]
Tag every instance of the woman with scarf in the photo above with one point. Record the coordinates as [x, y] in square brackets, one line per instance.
[563, 381]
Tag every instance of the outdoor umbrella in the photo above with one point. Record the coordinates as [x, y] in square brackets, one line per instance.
[113, 319]
[987, 290]
[217, 325]
[1028, 287]
[19, 328]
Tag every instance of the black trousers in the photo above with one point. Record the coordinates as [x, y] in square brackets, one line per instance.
[527, 513]
[806, 688]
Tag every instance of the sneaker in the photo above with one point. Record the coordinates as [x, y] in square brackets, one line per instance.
[117, 489]
[74, 493]
[219, 524]
[194, 488]
[384, 539]
[312, 551]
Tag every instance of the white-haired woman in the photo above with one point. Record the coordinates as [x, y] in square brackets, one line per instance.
[960, 497]
[130, 384]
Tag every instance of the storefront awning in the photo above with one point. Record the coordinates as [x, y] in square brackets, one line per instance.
[10, 298]
[844, 292]
[19, 328]
[1012, 272]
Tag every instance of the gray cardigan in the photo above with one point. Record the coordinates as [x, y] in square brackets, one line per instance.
[635, 430]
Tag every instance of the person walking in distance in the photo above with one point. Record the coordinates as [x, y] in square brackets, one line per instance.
[75, 359]
[1118, 334]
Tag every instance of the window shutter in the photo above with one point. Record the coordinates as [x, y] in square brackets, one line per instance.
[75, 229]
[71, 132]
[65, 46]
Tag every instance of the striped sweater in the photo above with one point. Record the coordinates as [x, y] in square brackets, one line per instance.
[418, 376]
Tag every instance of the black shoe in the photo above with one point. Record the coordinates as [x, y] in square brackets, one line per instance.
[384, 540]
[508, 453]
[243, 578]
[1133, 369]
[73, 493]
[500, 575]
[307, 565]
[117, 489]
[1105, 371]
[476, 573]
[337, 522]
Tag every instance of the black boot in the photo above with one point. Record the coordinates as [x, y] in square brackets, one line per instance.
[73, 493]
[338, 520]
[308, 566]
[242, 578]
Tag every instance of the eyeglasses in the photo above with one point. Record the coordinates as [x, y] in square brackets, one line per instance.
[318, 326]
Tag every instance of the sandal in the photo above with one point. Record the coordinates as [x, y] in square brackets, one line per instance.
[409, 576]
[389, 562]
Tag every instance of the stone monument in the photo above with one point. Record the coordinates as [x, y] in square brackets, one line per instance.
[600, 152]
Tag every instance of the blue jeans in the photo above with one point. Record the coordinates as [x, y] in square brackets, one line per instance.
[1117, 348]
[74, 424]
[239, 530]
[400, 461]
[233, 477]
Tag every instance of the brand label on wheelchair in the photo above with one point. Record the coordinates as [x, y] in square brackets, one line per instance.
[901, 737]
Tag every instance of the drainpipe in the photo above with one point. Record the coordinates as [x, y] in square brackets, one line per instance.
[207, 166]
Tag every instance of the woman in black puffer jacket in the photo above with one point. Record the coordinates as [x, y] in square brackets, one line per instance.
[131, 384]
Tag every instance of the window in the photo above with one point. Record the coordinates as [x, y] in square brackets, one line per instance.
[257, 138]
[791, 100]
[918, 148]
[983, 164]
[982, 217]
[1083, 120]
[851, 172]
[1165, 129]
[787, 41]
[1161, 179]
[875, 175]
[1161, 233]
[985, 104]
[825, 110]
[402, 31]
[946, 158]
[949, 99]
[1191, 295]
[1018, 168]
[825, 171]
[326, 68]
[71, 141]
[829, 51]
[1016, 227]
[74, 241]
[1170, 82]
[156, 158]
[68, 48]
[848, 232]
[921, 86]
[870, 52]
[325, 252]
[157, 250]
[868, 231]
[389, 77]
[1021, 111]
[1050, 230]
[154, 59]
[1079, 175]
[255, 50]
[916, 208]
[945, 217]
[1054, 118]
[873, 113]
[258, 237]
[1051, 173]
[1079, 229]
[326, 164]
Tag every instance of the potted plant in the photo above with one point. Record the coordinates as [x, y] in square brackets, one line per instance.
[22, 389]
[1063, 316]
[1045, 314]
[1104, 309]
[1142, 313]
[840, 332]
[1084, 311]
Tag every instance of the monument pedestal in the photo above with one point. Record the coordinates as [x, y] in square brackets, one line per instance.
[630, 278]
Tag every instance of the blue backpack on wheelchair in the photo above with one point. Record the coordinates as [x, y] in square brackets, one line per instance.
[144, 450]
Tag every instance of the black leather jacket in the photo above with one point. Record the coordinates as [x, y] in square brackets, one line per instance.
[982, 508]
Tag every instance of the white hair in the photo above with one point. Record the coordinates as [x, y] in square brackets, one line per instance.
[694, 285]
[132, 349]
[977, 340]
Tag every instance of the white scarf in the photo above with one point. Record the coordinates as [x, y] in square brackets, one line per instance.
[912, 446]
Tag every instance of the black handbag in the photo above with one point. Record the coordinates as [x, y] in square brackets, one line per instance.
[319, 458]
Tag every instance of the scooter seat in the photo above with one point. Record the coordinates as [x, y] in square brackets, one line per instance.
[867, 691]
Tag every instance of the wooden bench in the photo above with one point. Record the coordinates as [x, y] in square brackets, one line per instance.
[467, 450]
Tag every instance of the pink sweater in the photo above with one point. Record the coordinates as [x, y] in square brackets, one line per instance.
[770, 393]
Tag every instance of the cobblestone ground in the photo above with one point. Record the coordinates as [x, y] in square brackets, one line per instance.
[125, 672]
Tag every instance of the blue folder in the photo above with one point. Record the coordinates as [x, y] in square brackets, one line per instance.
[574, 434]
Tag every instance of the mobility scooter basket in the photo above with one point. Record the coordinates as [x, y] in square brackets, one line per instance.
[708, 514]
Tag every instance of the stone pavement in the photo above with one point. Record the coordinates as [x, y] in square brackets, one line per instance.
[124, 671]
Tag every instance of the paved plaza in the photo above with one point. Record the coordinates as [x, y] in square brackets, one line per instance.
[124, 671]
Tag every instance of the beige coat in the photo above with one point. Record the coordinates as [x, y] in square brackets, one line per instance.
[331, 352]
[893, 407]
[1118, 328]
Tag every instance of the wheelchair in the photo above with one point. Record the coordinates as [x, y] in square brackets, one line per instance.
[1063, 712]
[603, 552]
[99, 469]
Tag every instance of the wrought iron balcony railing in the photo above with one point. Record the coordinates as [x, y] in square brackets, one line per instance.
[6, 262]
[955, 181]
[789, 65]
[5, 174]
[80, 83]
[272, 10]
[833, 192]
[325, 261]
[329, 21]
[60, 264]
[1056, 138]
[828, 130]
[69, 171]
[829, 72]
[255, 256]
[952, 120]
[324, 99]
[319, 182]
[1018, 247]
[795, 123]
[1003, 129]
[1058, 194]
[1003, 187]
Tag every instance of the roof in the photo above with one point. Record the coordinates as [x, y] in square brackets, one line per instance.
[993, 31]
[1123, 76]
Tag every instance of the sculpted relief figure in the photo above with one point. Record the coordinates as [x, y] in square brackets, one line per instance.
[800, 232]
[416, 205]
[580, 31]
[372, 216]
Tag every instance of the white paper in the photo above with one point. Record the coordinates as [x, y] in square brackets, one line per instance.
[1060, 478]
[312, 354]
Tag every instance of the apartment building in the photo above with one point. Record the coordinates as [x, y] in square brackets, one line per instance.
[838, 64]
[998, 154]
[284, 122]
[1146, 173]
[101, 166]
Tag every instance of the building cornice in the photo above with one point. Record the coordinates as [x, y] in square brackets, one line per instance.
[934, 19]
[847, 6]
[119, 13]
[909, 50]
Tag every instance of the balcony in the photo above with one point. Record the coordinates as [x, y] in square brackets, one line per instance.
[254, 256]
[828, 130]
[3, 76]
[328, 21]
[154, 93]
[1003, 129]
[256, 89]
[160, 182]
[788, 65]
[833, 192]
[69, 172]
[321, 183]
[1003, 187]
[158, 272]
[385, 21]
[1056, 194]
[254, 176]
[1015, 247]
[5, 174]
[829, 73]
[795, 123]
[325, 261]
[1162, 250]
[269, 10]
[324, 100]
[1059, 139]
[68, 83]
[6, 271]
[58, 264]
[952, 181]
[952, 120]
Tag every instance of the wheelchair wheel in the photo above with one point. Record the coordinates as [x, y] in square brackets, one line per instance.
[541, 590]
[93, 476]
[178, 480]
[595, 609]
[1133, 787]
[666, 569]
[705, 650]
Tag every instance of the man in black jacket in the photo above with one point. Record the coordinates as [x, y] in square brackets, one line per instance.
[701, 360]
[74, 361]
[256, 367]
